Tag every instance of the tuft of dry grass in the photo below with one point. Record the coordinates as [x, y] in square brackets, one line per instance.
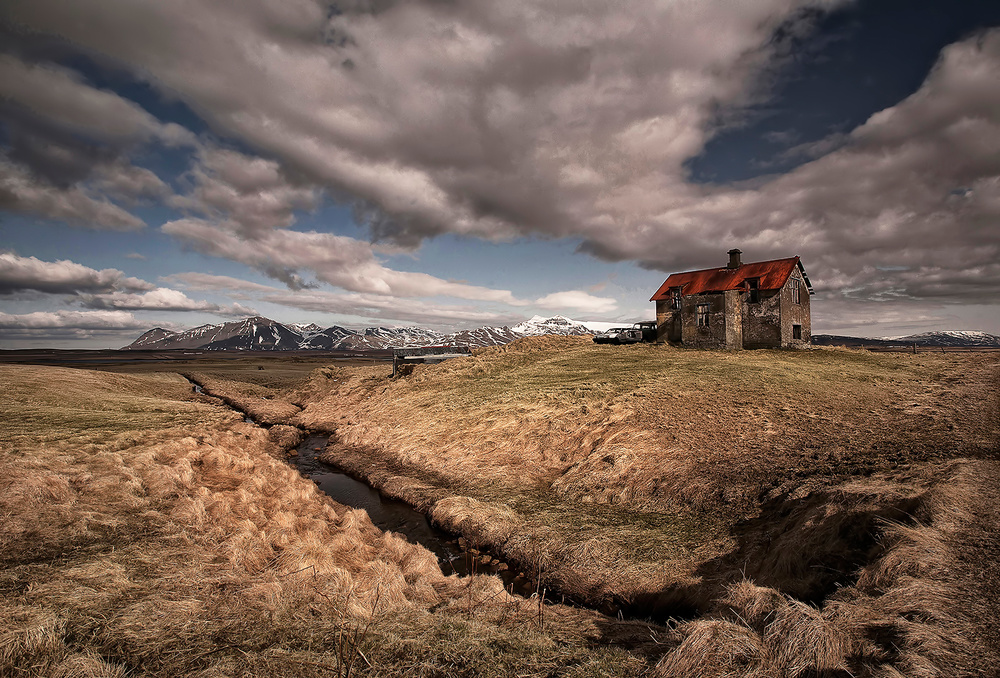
[909, 614]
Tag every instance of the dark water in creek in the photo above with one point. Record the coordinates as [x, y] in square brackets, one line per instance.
[397, 516]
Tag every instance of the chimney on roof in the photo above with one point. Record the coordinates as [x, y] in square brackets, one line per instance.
[734, 258]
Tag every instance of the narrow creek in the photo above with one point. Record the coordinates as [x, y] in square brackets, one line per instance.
[392, 515]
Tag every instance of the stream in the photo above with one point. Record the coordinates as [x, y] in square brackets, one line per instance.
[392, 515]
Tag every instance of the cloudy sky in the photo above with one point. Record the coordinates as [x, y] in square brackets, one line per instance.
[461, 163]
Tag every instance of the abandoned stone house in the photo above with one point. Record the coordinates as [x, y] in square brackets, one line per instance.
[755, 305]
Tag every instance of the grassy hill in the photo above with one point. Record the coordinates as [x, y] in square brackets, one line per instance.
[789, 513]
[148, 531]
[659, 481]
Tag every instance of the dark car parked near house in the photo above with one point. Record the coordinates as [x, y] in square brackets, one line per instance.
[648, 329]
[642, 331]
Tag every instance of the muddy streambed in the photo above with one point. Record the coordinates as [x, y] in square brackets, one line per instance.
[392, 515]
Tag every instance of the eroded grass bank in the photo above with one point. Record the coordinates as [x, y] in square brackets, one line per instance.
[802, 505]
[146, 530]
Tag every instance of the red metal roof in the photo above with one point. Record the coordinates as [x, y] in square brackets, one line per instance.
[772, 275]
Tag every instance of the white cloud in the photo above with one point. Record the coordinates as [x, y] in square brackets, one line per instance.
[61, 277]
[577, 300]
[213, 283]
[126, 182]
[160, 299]
[389, 309]
[70, 320]
[337, 260]
[251, 193]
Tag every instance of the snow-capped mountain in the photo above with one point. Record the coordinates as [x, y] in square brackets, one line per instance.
[255, 334]
[305, 329]
[941, 338]
[400, 337]
[152, 337]
[327, 339]
[483, 336]
[950, 338]
[263, 334]
[557, 324]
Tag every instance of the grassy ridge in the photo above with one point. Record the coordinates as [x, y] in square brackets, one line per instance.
[643, 457]
[145, 530]
[677, 480]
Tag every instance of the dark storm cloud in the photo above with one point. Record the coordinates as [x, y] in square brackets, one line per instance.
[491, 119]
[68, 147]
[21, 191]
[499, 120]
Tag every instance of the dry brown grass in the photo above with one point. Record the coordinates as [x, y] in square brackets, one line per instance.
[826, 513]
[927, 607]
[264, 404]
[629, 466]
[167, 540]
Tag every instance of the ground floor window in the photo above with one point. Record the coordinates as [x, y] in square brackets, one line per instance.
[796, 331]
[701, 313]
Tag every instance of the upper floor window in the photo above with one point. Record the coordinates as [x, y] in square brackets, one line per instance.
[675, 298]
[701, 314]
[796, 292]
[754, 285]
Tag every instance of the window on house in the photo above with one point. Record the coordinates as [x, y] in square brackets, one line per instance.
[796, 295]
[754, 285]
[796, 331]
[701, 313]
[675, 298]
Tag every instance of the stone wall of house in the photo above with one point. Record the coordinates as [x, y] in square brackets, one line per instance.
[762, 320]
[734, 319]
[795, 314]
[712, 336]
[668, 322]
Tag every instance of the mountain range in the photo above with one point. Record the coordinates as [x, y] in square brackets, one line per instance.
[942, 338]
[263, 334]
